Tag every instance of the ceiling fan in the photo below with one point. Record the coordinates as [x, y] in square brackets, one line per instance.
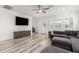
[40, 9]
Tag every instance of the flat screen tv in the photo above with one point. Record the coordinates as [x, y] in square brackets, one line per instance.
[21, 21]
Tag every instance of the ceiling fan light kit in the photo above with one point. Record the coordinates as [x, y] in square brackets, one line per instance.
[40, 10]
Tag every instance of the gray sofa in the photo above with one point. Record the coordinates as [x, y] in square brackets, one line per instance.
[66, 40]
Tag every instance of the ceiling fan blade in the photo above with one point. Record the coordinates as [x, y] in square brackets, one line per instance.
[7, 7]
[50, 6]
[45, 8]
[43, 11]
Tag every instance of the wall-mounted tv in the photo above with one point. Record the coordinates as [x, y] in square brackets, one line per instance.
[21, 21]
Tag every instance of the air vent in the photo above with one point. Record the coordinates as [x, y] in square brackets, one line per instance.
[7, 7]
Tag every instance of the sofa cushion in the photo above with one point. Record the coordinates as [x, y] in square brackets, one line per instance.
[62, 39]
[71, 33]
[59, 35]
[62, 43]
[59, 32]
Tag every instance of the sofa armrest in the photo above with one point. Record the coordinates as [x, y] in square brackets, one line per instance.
[75, 44]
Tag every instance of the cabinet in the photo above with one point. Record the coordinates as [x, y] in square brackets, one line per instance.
[20, 34]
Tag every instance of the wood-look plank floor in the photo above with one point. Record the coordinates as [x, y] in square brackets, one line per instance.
[20, 45]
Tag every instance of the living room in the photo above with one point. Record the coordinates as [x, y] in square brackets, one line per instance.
[43, 18]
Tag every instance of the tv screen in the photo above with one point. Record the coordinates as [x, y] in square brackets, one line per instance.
[21, 21]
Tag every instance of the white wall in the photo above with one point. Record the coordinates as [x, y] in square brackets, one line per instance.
[38, 22]
[7, 24]
[77, 20]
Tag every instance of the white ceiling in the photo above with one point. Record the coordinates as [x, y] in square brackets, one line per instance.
[54, 9]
